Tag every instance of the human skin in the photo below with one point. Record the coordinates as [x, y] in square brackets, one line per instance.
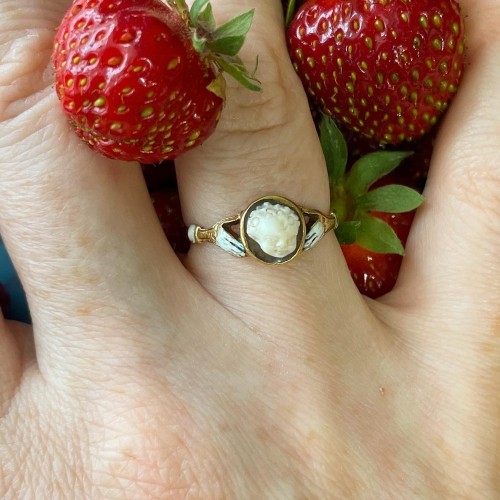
[221, 378]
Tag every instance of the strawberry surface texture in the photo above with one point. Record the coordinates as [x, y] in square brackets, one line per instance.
[385, 68]
[131, 80]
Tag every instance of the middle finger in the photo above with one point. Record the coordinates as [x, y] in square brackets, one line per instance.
[266, 143]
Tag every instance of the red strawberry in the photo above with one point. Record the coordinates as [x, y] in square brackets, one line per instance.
[374, 273]
[375, 203]
[385, 68]
[168, 208]
[141, 80]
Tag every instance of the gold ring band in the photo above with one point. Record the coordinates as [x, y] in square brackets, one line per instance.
[272, 229]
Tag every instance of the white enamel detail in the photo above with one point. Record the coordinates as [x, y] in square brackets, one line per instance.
[275, 228]
[191, 233]
[229, 243]
[315, 233]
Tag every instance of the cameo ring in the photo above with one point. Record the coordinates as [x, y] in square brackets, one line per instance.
[272, 229]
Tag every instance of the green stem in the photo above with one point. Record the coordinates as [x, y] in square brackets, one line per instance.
[290, 11]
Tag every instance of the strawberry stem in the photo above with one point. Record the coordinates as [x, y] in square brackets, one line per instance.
[221, 45]
[290, 11]
[238, 72]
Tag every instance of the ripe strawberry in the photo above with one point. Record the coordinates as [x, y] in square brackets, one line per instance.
[374, 203]
[168, 209]
[385, 68]
[141, 80]
[375, 274]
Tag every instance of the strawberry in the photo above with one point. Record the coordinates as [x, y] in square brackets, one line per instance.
[168, 209]
[375, 274]
[375, 203]
[141, 80]
[385, 68]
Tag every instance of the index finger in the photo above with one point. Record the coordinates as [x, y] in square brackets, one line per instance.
[79, 227]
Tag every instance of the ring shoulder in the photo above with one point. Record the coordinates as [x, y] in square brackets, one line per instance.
[319, 224]
[220, 235]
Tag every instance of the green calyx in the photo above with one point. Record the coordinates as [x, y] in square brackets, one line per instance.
[221, 45]
[353, 198]
[179, 5]
[289, 12]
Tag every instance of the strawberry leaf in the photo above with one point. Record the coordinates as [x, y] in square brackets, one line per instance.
[377, 236]
[334, 148]
[221, 45]
[346, 232]
[218, 86]
[371, 168]
[238, 72]
[237, 27]
[228, 46]
[196, 9]
[393, 198]
[199, 44]
[206, 19]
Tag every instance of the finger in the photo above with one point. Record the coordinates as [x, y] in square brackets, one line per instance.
[266, 143]
[452, 262]
[256, 145]
[80, 228]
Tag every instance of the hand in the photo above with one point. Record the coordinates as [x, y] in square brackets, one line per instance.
[220, 378]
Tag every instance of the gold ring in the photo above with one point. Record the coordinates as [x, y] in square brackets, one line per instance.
[272, 229]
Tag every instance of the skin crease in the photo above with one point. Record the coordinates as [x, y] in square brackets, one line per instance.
[144, 378]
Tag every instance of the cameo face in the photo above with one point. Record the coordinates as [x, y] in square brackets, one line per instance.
[273, 230]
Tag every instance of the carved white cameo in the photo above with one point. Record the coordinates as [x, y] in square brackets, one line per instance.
[275, 228]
